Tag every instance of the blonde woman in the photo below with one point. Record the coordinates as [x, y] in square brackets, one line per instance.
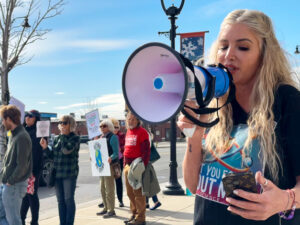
[65, 156]
[121, 138]
[258, 131]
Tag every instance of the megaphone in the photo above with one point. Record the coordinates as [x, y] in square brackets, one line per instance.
[157, 80]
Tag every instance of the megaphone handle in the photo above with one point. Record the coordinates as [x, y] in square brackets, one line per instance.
[199, 123]
[189, 132]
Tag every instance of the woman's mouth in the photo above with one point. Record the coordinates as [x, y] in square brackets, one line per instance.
[231, 68]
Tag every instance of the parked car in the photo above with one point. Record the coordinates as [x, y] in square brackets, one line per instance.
[47, 164]
[84, 138]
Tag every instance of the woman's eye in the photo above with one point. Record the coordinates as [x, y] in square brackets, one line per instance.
[244, 48]
[223, 48]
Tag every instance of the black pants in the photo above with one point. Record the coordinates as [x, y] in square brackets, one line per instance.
[33, 202]
[119, 183]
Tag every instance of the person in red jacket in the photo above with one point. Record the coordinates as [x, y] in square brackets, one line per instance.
[136, 145]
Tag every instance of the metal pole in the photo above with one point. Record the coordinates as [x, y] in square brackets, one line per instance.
[173, 188]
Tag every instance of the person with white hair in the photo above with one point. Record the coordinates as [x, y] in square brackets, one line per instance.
[108, 182]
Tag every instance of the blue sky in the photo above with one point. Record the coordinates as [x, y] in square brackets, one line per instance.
[79, 66]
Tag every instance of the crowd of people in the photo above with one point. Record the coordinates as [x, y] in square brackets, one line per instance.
[23, 162]
[257, 132]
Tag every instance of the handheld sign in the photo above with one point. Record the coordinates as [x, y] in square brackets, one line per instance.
[99, 157]
[92, 123]
[20, 105]
[43, 128]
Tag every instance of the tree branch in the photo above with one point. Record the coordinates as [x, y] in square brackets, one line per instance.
[46, 15]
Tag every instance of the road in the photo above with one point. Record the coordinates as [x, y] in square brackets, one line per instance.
[88, 187]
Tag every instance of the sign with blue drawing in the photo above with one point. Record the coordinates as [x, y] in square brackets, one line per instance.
[99, 157]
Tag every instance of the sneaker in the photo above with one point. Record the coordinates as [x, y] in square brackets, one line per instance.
[101, 205]
[121, 204]
[157, 204]
[109, 215]
[135, 222]
[101, 213]
[130, 219]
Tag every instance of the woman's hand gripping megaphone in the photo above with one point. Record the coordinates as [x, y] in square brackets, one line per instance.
[188, 127]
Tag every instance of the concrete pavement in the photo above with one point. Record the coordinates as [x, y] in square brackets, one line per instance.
[174, 210]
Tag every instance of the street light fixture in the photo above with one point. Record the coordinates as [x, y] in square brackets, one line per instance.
[26, 24]
[297, 49]
[173, 188]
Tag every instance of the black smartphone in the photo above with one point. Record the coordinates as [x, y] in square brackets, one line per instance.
[245, 181]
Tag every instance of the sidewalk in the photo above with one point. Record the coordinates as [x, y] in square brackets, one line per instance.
[174, 210]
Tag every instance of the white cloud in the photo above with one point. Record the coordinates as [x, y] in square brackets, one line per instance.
[43, 103]
[296, 74]
[100, 45]
[71, 106]
[49, 62]
[112, 105]
[59, 93]
[70, 40]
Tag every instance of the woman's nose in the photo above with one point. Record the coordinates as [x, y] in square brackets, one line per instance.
[230, 54]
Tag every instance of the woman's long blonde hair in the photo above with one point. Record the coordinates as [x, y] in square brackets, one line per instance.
[274, 70]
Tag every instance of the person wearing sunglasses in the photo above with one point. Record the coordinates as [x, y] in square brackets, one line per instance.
[137, 145]
[65, 155]
[121, 138]
[107, 183]
[32, 199]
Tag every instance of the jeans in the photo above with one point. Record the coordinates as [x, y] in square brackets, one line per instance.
[65, 191]
[154, 199]
[33, 202]
[119, 184]
[10, 203]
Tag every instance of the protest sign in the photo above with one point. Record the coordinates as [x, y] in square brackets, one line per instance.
[20, 105]
[43, 128]
[92, 123]
[99, 157]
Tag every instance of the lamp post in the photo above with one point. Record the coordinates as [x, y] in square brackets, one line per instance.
[297, 49]
[26, 24]
[173, 188]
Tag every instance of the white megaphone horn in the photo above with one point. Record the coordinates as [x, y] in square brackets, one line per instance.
[157, 80]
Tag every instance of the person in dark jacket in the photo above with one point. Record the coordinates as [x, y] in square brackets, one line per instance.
[32, 200]
[17, 166]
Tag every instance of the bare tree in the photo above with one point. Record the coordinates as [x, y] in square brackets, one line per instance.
[20, 26]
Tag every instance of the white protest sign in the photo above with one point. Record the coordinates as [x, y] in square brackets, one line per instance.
[43, 128]
[99, 157]
[20, 105]
[92, 123]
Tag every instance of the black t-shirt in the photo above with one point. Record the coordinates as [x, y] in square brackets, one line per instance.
[210, 205]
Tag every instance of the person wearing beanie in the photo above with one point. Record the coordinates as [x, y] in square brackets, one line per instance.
[32, 199]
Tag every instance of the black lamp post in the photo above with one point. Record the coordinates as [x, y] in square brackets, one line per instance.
[297, 49]
[173, 188]
[26, 24]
